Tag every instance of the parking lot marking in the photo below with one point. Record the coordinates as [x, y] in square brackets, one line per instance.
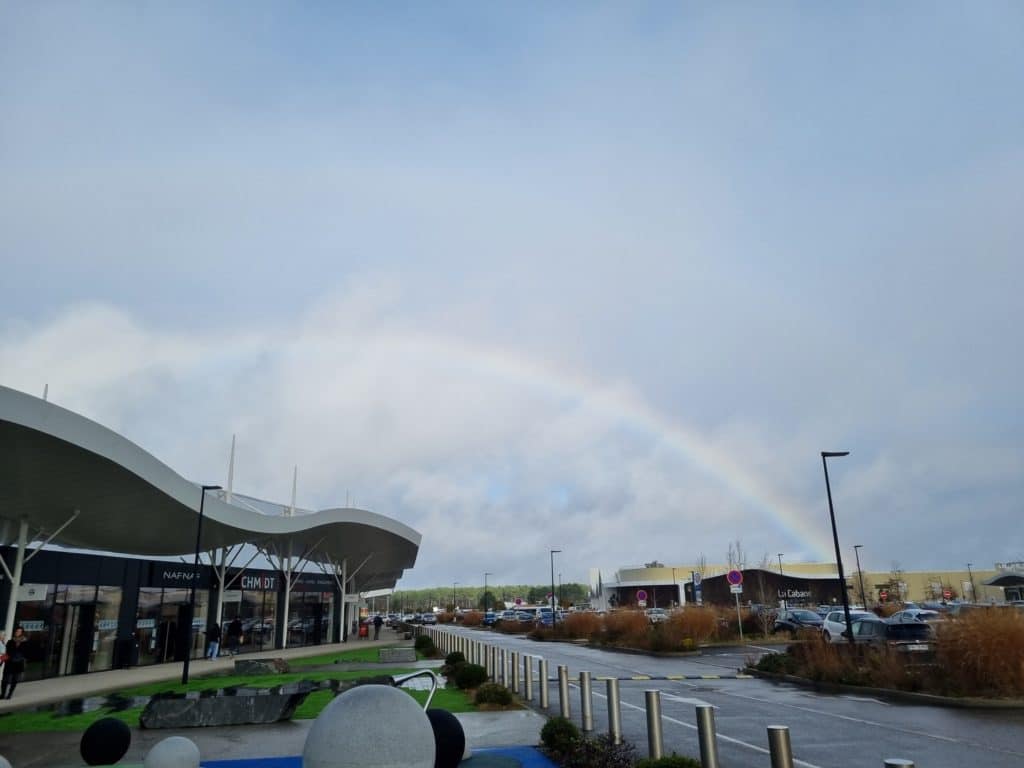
[721, 736]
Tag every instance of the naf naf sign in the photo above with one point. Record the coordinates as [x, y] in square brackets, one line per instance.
[178, 575]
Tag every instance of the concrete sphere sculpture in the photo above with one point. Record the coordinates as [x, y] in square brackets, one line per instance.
[370, 726]
[105, 742]
[173, 752]
[449, 738]
[4, 763]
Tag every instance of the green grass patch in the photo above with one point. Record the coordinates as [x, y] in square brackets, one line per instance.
[36, 722]
[213, 682]
[451, 699]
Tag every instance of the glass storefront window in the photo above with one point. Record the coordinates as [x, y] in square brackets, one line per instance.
[36, 618]
[161, 624]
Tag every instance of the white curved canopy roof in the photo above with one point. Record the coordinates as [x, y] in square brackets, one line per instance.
[56, 461]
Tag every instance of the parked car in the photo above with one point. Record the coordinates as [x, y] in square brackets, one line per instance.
[429, 618]
[915, 614]
[834, 624]
[656, 615]
[793, 621]
[913, 637]
[507, 616]
[490, 617]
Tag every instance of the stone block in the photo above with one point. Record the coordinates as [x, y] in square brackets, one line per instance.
[397, 654]
[261, 667]
[176, 711]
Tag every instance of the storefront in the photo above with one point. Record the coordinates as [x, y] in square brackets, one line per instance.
[86, 613]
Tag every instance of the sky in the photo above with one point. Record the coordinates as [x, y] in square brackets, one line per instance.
[603, 278]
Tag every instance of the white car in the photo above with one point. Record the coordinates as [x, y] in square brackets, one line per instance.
[656, 615]
[834, 624]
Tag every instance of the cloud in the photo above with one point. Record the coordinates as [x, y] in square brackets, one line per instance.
[495, 456]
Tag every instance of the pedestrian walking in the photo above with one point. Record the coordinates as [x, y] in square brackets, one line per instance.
[377, 623]
[14, 668]
[212, 641]
[234, 635]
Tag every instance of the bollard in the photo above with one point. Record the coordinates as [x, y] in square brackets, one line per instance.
[655, 740]
[779, 747]
[563, 691]
[528, 675]
[614, 711]
[542, 675]
[515, 672]
[503, 667]
[898, 762]
[586, 703]
[706, 736]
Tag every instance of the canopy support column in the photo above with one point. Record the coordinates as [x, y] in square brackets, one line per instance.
[15, 577]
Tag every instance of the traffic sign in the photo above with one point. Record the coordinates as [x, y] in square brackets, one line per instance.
[641, 595]
[946, 593]
[736, 589]
[697, 578]
[642, 603]
[519, 601]
[883, 595]
[734, 577]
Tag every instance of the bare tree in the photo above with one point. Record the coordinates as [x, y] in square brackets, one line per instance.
[736, 557]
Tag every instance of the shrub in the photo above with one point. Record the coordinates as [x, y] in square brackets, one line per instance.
[446, 617]
[581, 625]
[472, 618]
[695, 622]
[425, 645]
[601, 752]
[560, 736]
[669, 761]
[777, 663]
[470, 675]
[454, 658]
[983, 652]
[492, 693]
[626, 627]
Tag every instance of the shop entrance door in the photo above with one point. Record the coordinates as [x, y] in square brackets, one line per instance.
[77, 637]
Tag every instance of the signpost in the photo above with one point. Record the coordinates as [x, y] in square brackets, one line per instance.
[883, 595]
[698, 591]
[641, 598]
[735, 579]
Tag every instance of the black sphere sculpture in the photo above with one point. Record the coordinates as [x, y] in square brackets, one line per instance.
[105, 742]
[449, 738]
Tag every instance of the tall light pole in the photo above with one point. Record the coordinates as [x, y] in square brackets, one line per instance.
[825, 455]
[554, 615]
[970, 575]
[782, 600]
[860, 574]
[486, 574]
[454, 606]
[195, 578]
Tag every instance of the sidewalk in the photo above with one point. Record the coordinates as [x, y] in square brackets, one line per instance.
[52, 690]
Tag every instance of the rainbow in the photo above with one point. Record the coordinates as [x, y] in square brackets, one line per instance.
[621, 405]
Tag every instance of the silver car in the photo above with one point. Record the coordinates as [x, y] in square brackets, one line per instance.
[834, 624]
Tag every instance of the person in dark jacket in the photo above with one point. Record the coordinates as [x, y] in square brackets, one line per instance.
[15, 666]
[377, 622]
[212, 641]
[234, 635]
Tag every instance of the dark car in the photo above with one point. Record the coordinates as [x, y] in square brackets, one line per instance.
[905, 637]
[795, 620]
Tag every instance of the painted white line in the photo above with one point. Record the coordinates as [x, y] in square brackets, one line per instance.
[721, 736]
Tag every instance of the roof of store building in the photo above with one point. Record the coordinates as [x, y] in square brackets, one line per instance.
[59, 465]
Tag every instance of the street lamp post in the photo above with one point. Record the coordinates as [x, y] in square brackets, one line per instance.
[195, 578]
[454, 606]
[970, 575]
[860, 575]
[825, 455]
[486, 574]
[554, 615]
[782, 600]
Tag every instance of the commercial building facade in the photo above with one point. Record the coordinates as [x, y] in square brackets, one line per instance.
[70, 482]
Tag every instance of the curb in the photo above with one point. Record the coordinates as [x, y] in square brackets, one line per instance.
[908, 697]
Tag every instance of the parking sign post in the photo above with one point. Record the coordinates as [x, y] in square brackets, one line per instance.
[735, 579]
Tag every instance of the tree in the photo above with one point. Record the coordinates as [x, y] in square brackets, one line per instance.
[736, 557]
